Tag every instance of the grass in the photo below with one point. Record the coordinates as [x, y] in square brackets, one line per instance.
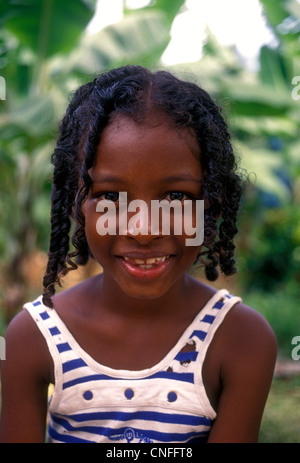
[281, 420]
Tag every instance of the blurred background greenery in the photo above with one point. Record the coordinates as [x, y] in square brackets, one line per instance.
[46, 52]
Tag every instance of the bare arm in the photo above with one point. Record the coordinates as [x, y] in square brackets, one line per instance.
[24, 383]
[248, 360]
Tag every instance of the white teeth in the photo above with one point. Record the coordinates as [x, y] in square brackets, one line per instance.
[147, 263]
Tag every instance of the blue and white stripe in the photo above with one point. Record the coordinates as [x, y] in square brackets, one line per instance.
[163, 404]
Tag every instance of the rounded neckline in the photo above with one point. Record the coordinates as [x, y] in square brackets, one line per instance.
[131, 374]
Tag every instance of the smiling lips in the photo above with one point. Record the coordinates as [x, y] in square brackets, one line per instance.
[146, 263]
[145, 268]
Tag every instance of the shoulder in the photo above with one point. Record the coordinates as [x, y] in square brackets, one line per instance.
[21, 329]
[243, 356]
[24, 382]
[251, 345]
[244, 346]
[26, 348]
[245, 326]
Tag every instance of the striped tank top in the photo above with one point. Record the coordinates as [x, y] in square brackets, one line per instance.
[166, 403]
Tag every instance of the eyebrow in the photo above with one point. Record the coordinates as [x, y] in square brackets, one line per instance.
[107, 179]
[182, 178]
[115, 179]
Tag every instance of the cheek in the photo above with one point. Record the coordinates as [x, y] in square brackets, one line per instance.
[187, 254]
[191, 240]
[100, 246]
[97, 243]
[192, 253]
[191, 226]
[90, 218]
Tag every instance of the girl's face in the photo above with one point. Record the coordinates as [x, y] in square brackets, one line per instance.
[147, 161]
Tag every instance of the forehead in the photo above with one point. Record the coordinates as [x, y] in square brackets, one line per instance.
[153, 142]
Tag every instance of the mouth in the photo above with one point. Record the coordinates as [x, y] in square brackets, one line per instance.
[147, 263]
[146, 268]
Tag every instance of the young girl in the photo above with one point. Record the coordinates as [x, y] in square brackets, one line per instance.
[141, 352]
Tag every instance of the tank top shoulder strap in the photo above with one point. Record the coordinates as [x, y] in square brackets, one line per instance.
[211, 317]
[41, 315]
[192, 346]
[57, 338]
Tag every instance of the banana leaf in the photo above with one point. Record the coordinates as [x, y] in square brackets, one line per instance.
[46, 27]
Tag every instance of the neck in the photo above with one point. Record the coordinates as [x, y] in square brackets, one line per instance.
[119, 302]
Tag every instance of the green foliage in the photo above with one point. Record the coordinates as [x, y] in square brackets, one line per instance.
[45, 53]
[281, 308]
[169, 8]
[283, 17]
[272, 255]
[265, 121]
[119, 44]
[263, 117]
[37, 24]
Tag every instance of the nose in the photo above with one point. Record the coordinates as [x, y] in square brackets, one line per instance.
[135, 222]
[143, 240]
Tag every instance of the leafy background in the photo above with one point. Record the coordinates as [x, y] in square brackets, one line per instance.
[45, 53]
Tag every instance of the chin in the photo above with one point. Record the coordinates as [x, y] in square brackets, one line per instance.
[144, 290]
[144, 294]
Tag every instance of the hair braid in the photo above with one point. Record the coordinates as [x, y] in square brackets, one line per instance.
[222, 188]
[65, 185]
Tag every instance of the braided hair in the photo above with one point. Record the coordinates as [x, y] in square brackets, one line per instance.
[134, 90]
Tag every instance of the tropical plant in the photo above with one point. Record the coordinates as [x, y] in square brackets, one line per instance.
[45, 53]
[263, 109]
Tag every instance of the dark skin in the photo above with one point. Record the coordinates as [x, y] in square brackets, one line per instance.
[128, 322]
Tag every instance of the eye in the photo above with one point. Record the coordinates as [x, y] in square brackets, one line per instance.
[108, 196]
[177, 195]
